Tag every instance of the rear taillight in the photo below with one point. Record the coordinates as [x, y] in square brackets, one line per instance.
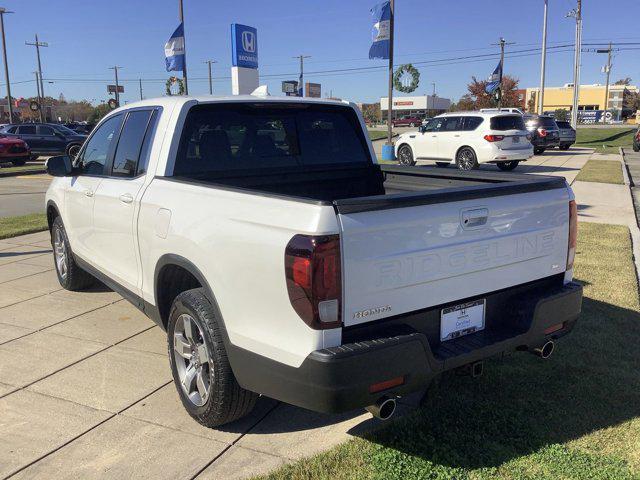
[573, 233]
[314, 282]
[542, 132]
[493, 138]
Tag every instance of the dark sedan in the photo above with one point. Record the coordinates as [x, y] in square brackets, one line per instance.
[47, 138]
[544, 132]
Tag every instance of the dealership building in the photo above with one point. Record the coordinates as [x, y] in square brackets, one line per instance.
[418, 106]
[591, 97]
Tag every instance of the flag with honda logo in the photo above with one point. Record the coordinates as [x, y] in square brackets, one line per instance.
[174, 50]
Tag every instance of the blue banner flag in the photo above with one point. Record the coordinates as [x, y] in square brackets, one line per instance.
[495, 79]
[381, 14]
[174, 50]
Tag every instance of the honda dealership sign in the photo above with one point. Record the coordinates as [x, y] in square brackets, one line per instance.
[244, 42]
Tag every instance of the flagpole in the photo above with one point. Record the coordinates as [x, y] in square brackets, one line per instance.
[184, 37]
[390, 104]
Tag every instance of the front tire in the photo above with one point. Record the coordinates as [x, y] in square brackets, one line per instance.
[538, 150]
[508, 166]
[466, 159]
[70, 275]
[636, 147]
[201, 370]
[405, 156]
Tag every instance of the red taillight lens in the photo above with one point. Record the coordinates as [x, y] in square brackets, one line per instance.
[542, 132]
[493, 138]
[313, 272]
[573, 233]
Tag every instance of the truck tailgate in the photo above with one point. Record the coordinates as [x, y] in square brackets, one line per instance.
[399, 260]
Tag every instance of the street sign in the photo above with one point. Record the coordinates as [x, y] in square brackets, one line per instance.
[244, 43]
[313, 90]
[112, 89]
[290, 87]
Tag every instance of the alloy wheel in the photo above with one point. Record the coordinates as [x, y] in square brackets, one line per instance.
[465, 159]
[192, 359]
[404, 156]
[60, 253]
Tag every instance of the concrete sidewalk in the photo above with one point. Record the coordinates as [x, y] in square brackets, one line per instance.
[86, 391]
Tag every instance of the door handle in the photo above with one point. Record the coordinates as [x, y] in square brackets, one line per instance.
[126, 198]
[88, 193]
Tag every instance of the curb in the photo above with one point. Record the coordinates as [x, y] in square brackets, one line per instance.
[19, 174]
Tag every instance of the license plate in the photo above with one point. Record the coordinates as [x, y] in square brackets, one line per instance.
[462, 320]
[516, 139]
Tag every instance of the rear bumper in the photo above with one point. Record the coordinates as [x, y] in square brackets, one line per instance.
[338, 379]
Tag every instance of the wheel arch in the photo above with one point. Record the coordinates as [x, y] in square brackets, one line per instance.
[52, 212]
[465, 146]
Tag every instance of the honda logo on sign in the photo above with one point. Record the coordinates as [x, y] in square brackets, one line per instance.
[249, 41]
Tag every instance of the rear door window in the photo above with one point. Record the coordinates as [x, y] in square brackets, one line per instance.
[45, 130]
[451, 124]
[125, 160]
[219, 138]
[471, 123]
[507, 122]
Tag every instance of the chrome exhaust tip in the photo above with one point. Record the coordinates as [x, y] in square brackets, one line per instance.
[545, 350]
[383, 409]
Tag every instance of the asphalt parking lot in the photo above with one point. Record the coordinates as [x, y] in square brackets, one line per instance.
[86, 390]
[22, 194]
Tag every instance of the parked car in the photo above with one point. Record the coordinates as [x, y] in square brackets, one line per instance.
[14, 150]
[47, 138]
[468, 139]
[300, 269]
[567, 134]
[83, 128]
[406, 121]
[636, 141]
[544, 132]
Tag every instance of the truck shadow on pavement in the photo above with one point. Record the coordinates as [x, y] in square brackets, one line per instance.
[523, 404]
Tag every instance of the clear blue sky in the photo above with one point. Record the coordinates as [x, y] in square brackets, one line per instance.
[86, 37]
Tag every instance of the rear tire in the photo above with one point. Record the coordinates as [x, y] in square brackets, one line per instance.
[70, 275]
[508, 166]
[442, 164]
[197, 355]
[538, 150]
[564, 147]
[405, 156]
[466, 159]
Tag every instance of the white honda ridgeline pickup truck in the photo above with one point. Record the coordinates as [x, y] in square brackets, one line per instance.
[283, 260]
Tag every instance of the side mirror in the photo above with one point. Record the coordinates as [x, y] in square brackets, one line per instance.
[59, 166]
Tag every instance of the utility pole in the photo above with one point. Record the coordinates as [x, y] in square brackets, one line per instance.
[544, 59]
[392, 13]
[6, 63]
[209, 62]
[39, 44]
[577, 14]
[184, 67]
[39, 96]
[607, 70]
[301, 79]
[115, 69]
[140, 85]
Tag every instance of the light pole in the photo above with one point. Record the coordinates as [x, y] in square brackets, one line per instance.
[577, 14]
[209, 62]
[38, 44]
[607, 70]
[6, 63]
[544, 59]
[502, 44]
[301, 79]
[184, 38]
[392, 14]
[115, 69]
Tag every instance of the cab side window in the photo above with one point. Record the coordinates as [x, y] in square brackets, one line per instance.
[94, 157]
[125, 160]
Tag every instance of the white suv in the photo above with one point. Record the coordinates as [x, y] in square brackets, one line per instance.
[468, 139]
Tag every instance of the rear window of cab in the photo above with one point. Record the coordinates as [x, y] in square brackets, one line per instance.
[507, 122]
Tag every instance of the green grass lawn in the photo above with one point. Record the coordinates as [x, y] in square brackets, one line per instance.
[23, 168]
[602, 171]
[604, 140]
[576, 415]
[14, 226]
[377, 134]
